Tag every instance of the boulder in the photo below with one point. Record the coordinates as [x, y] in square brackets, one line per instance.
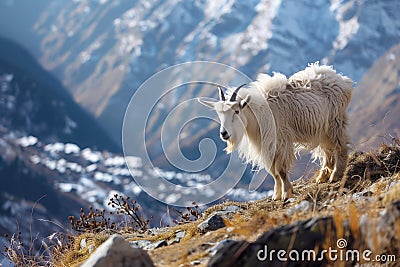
[304, 235]
[214, 222]
[117, 252]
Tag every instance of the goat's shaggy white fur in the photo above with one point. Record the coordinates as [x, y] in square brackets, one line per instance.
[307, 110]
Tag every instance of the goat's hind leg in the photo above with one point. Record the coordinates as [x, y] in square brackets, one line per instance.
[340, 139]
[340, 164]
[283, 161]
[328, 165]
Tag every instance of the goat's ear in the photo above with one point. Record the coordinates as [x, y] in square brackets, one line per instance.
[210, 104]
[245, 101]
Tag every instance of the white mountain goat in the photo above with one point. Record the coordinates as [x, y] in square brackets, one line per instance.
[274, 116]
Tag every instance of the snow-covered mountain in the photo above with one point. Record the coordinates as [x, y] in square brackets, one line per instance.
[103, 50]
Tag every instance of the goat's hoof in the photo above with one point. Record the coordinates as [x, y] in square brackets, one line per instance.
[277, 194]
[276, 197]
[323, 176]
[333, 179]
[286, 195]
[321, 179]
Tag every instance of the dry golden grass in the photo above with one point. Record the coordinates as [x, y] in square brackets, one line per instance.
[76, 256]
[255, 218]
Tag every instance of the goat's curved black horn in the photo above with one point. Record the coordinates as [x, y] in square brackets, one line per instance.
[234, 94]
[221, 94]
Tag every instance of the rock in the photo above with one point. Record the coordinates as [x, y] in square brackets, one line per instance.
[304, 235]
[90, 248]
[379, 234]
[156, 244]
[220, 245]
[117, 252]
[214, 222]
[226, 255]
[310, 236]
[290, 200]
[232, 208]
[227, 211]
[82, 244]
[140, 243]
[302, 207]
[178, 236]
[148, 245]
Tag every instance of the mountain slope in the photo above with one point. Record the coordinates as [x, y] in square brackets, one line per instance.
[103, 50]
[375, 106]
[34, 102]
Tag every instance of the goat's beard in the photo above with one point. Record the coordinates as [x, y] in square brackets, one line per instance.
[230, 147]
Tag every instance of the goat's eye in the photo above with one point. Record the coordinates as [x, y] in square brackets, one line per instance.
[236, 111]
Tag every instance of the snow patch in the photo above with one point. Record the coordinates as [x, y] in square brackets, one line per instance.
[110, 195]
[55, 148]
[71, 149]
[91, 167]
[35, 159]
[241, 194]
[172, 198]
[115, 161]
[134, 188]
[133, 162]
[66, 187]
[92, 156]
[390, 57]
[103, 177]
[347, 27]
[27, 141]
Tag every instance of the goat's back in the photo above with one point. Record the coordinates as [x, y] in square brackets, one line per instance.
[306, 104]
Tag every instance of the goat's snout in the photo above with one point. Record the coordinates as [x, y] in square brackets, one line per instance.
[224, 134]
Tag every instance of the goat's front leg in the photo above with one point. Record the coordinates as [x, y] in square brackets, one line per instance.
[283, 188]
[287, 189]
[277, 187]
